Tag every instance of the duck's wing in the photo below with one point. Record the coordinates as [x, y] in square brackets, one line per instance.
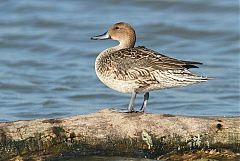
[139, 63]
[142, 57]
[165, 62]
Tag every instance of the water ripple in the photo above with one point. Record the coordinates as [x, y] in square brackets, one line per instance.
[47, 57]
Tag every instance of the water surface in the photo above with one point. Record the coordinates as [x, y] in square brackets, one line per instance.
[47, 57]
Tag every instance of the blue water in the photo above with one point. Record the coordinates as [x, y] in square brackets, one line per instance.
[47, 57]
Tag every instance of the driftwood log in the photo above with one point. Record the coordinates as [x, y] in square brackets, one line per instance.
[109, 133]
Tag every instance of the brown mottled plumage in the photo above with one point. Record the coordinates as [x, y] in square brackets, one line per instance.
[130, 69]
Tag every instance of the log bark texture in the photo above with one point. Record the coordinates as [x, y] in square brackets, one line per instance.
[123, 134]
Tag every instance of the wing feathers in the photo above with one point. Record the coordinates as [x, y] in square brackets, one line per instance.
[140, 62]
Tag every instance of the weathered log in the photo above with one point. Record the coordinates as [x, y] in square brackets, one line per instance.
[123, 134]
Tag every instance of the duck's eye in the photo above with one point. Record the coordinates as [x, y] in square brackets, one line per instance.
[116, 28]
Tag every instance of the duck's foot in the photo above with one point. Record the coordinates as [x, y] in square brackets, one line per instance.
[141, 111]
[123, 111]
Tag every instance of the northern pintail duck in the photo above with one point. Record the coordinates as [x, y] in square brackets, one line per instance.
[130, 69]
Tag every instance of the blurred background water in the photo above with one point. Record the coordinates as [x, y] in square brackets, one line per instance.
[47, 58]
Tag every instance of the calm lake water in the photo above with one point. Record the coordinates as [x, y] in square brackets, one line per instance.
[47, 57]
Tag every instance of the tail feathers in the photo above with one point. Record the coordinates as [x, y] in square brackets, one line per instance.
[191, 64]
[198, 78]
[179, 78]
[188, 77]
[193, 78]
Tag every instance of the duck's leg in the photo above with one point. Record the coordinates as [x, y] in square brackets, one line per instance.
[144, 105]
[131, 103]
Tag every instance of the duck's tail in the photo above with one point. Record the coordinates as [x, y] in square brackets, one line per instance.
[185, 77]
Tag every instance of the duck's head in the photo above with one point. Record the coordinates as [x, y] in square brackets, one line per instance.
[121, 32]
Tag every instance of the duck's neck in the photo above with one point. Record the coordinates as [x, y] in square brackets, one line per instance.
[105, 53]
[114, 49]
[129, 43]
[124, 43]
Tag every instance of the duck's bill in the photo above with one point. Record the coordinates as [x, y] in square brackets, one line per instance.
[101, 37]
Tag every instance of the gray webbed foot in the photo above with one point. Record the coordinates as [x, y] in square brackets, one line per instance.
[123, 111]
